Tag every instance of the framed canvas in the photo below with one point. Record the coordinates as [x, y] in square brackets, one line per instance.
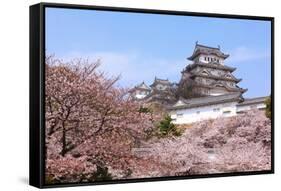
[121, 95]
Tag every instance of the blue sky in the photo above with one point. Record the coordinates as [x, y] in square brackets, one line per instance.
[141, 46]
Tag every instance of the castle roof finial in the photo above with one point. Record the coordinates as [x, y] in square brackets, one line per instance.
[219, 47]
[196, 43]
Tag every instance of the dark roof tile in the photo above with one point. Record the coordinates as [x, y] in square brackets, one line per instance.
[208, 100]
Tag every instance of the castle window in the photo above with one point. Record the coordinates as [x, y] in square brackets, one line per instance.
[216, 109]
[204, 73]
[179, 115]
[228, 76]
[226, 112]
[219, 85]
[253, 107]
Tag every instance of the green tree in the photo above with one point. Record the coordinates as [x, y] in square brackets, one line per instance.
[167, 127]
[268, 107]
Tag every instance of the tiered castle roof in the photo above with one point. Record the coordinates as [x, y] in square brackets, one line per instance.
[154, 92]
[227, 77]
[207, 73]
[204, 69]
[164, 82]
[210, 100]
[143, 86]
[202, 49]
[213, 65]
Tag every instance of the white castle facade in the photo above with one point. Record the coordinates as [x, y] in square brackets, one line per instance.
[215, 90]
[197, 109]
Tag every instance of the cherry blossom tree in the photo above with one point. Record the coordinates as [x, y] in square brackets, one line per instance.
[87, 116]
[234, 144]
[95, 131]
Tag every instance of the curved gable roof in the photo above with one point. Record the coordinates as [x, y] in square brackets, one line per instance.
[202, 49]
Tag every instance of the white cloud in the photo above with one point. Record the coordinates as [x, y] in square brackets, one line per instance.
[133, 66]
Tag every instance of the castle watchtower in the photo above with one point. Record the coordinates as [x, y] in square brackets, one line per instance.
[209, 74]
[140, 91]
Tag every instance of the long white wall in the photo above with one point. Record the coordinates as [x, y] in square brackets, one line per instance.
[191, 115]
[184, 116]
[242, 108]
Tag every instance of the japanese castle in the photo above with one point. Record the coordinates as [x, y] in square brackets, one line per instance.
[207, 89]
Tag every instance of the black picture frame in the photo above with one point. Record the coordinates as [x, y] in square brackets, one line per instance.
[37, 92]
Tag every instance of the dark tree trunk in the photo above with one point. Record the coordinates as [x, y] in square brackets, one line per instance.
[63, 139]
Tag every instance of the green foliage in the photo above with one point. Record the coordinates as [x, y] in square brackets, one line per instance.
[166, 127]
[268, 107]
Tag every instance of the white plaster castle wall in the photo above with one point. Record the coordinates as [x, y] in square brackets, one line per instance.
[140, 94]
[184, 116]
[202, 58]
[242, 108]
[216, 92]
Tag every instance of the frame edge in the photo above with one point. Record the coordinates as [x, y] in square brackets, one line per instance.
[35, 129]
